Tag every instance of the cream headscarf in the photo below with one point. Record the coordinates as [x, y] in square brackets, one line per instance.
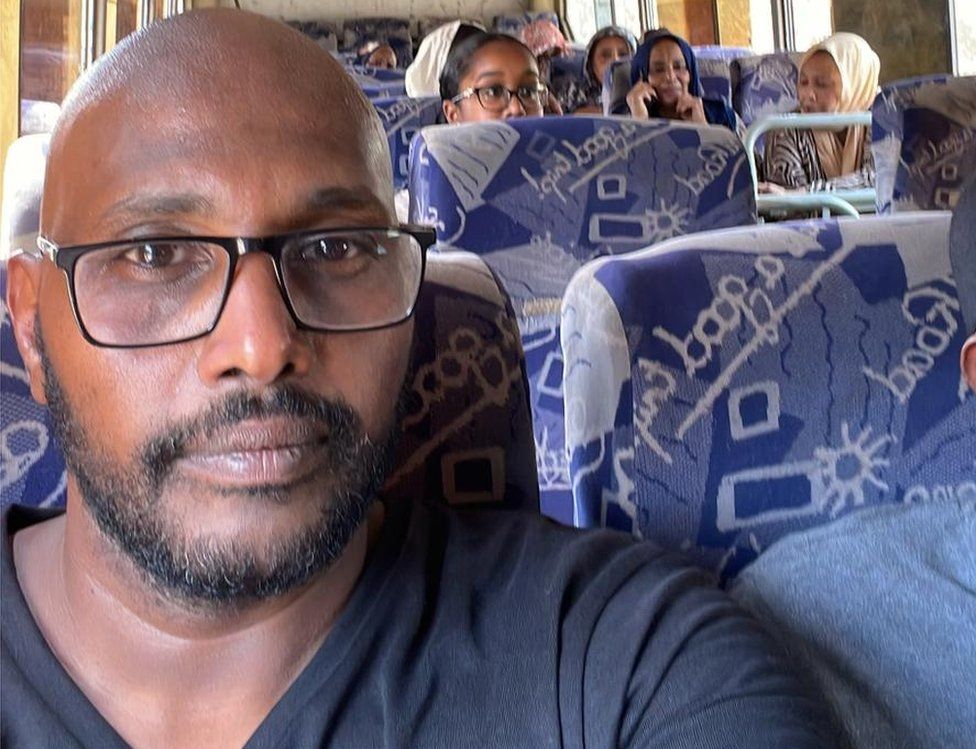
[423, 75]
[859, 68]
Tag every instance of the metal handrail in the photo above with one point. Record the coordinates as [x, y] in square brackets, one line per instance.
[841, 200]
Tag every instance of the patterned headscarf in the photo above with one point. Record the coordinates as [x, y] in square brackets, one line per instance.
[859, 68]
[543, 36]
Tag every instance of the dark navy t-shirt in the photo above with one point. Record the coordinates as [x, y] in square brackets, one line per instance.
[484, 629]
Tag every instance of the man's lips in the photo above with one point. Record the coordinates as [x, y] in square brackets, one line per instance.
[257, 452]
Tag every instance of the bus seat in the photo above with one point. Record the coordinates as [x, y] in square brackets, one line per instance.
[393, 31]
[374, 85]
[323, 33]
[566, 73]
[765, 85]
[716, 79]
[402, 118]
[923, 142]
[718, 52]
[466, 431]
[726, 389]
[538, 197]
[23, 182]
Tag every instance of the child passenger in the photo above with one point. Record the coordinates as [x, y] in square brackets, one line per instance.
[607, 46]
[491, 76]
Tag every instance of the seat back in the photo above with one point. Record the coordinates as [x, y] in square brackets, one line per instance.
[393, 31]
[466, 432]
[539, 197]
[402, 118]
[728, 388]
[718, 52]
[23, 183]
[323, 33]
[923, 142]
[716, 79]
[764, 85]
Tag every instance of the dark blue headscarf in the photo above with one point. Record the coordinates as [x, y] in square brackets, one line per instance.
[716, 112]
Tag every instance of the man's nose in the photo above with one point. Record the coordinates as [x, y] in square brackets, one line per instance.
[256, 337]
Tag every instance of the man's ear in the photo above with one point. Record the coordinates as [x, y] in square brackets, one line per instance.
[452, 113]
[23, 285]
[968, 359]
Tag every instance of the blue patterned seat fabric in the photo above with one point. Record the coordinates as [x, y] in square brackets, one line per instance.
[764, 85]
[538, 197]
[394, 31]
[923, 142]
[718, 52]
[716, 79]
[323, 33]
[467, 432]
[402, 118]
[726, 389]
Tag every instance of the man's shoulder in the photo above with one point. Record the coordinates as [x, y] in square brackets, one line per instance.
[532, 551]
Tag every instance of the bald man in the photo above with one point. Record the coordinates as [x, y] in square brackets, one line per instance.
[219, 322]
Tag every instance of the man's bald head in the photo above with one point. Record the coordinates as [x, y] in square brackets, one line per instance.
[195, 83]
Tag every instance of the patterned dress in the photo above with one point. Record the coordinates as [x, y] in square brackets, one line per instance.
[791, 160]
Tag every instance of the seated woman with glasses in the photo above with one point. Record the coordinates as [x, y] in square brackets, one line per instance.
[664, 83]
[491, 76]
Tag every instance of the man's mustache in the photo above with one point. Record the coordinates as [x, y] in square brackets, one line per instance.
[336, 417]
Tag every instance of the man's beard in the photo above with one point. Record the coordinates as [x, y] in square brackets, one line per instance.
[125, 501]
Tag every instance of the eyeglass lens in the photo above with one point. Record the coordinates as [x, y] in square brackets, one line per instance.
[150, 293]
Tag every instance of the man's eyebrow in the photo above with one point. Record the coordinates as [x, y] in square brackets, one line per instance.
[343, 198]
[162, 205]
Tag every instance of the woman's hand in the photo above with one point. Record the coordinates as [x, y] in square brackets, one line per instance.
[690, 109]
[771, 188]
[639, 99]
[552, 105]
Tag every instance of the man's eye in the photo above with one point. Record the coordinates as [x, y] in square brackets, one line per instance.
[156, 255]
[333, 248]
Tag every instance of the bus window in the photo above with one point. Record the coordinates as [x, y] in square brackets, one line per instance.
[964, 22]
[51, 58]
[121, 19]
[693, 20]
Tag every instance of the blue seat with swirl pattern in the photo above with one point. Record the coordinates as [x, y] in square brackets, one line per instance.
[539, 197]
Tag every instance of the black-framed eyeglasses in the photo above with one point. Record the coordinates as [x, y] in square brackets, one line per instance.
[497, 98]
[162, 290]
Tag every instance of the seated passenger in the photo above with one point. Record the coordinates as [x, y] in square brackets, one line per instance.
[491, 76]
[606, 46]
[224, 379]
[879, 607]
[546, 41]
[377, 55]
[840, 74]
[665, 83]
[424, 73]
